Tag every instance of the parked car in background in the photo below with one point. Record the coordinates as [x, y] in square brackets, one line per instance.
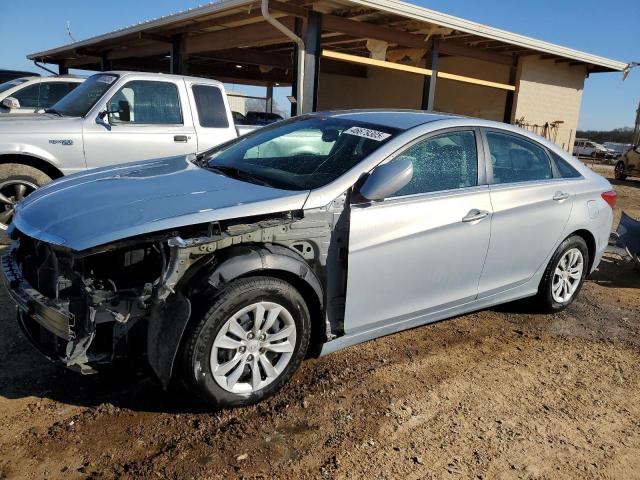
[239, 118]
[586, 148]
[112, 117]
[617, 149]
[6, 75]
[262, 118]
[31, 94]
[629, 164]
[227, 268]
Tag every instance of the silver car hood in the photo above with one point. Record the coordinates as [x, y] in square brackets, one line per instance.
[104, 205]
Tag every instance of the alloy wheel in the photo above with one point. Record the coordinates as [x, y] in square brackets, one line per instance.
[253, 347]
[567, 275]
[11, 192]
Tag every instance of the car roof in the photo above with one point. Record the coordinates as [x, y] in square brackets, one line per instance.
[402, 119]
[125, 73]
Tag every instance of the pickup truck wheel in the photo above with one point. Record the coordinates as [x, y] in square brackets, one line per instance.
[16, 182]
[248, 343]
[565, 274]
[619, 171]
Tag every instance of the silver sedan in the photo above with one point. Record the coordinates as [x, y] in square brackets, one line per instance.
[229, 268]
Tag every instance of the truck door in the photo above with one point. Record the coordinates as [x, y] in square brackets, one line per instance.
[145, 119]
[211, 115]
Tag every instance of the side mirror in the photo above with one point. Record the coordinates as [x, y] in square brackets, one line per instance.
[10, 103]
[387, 179]
[123, 111]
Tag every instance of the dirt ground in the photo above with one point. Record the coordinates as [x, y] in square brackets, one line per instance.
[502, 393]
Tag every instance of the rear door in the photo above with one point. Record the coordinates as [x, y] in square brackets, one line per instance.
[421, 250]
[531, 207]
[147, 121]
[212, 117]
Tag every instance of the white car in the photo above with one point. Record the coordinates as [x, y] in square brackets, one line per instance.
[31, 94]
[586, 148]
[113, 117]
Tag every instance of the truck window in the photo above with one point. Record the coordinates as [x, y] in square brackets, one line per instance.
[43, 95]
[146, 102]
[210, 105]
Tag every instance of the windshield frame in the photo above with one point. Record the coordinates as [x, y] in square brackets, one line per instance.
[60, 106]
[281, 178]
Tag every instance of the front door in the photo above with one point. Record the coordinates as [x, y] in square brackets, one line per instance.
[422, 250]
[530, 210]
[146, 121]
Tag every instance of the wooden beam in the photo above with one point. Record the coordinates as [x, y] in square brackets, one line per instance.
[247, 35]
[369, 30]
[150, 50]
[410, 69]
[251, 56]
[288, 8]
[81, 61]
[460, 50]
[154, 37]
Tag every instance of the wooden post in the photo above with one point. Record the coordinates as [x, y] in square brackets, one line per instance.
[178, 60]
[313, 52]
[429, 85]
[508, 105]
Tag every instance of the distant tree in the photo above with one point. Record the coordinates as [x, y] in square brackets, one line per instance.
[618, 135]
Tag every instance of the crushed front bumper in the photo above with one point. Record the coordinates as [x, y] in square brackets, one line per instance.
[36, 306]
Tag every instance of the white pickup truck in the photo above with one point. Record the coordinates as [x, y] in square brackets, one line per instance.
[112, 117]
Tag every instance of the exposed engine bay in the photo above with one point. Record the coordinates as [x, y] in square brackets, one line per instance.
[135, 297]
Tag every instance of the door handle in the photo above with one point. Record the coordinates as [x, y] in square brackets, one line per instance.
[474, 215]
[180, 138]
[559, 196]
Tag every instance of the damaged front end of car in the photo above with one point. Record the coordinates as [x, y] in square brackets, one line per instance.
[134, 297]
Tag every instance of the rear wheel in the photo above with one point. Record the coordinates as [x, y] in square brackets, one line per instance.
[619, 171]
[248, 343]
[16, 182]
[564, 275]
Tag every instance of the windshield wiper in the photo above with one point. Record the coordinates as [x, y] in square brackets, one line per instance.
[238, 174]
[54, 111]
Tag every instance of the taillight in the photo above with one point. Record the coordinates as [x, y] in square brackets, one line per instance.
[610, 197]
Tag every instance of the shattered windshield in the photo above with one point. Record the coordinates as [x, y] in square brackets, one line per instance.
[300, 154]
[83, 98]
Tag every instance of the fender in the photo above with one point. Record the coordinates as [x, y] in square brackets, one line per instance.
[29, 151]
[168, 324]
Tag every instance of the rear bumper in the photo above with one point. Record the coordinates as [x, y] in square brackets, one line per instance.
[47, 313]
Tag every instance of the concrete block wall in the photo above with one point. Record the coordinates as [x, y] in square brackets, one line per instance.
[547, 91]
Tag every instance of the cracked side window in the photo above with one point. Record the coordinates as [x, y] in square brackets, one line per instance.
[445, 162]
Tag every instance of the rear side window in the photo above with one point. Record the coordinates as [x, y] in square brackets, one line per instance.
[146, 102]
[210, 105]
[445, 162]
[564, 167]
[515, 159]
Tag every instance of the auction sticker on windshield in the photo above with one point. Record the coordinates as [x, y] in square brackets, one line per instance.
[108, 79]
[367, 133]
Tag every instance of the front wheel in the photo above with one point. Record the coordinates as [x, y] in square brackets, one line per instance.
[565, 274]
[16, 182]
[619, 171]
[248, 343]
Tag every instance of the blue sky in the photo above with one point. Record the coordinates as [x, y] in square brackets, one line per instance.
[607, 28]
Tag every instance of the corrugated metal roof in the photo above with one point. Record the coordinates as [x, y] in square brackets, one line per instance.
[395, 7]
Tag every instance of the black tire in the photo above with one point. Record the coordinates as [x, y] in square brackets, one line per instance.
[545, 297]
[12, 176]
[619, 171]
[199, 339]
